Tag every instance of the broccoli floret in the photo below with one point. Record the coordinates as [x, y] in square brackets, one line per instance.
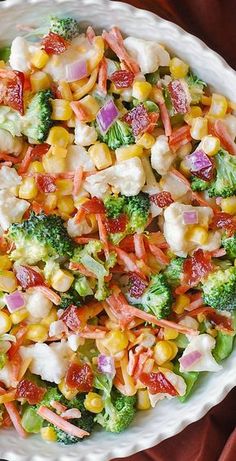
[5, 53]
[219, 289]
[67, 28]
[118, 413]
[229, 244]
[68, 298]
[137, 208]
[157, 298]
[114, 205]
[224, 184]
[40, 237]
[120, 134]
[196, 87]
[174, 272]
[37, 119]
[198, 184]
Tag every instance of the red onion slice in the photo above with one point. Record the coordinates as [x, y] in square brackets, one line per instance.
[107, 115]
[198, 160]
[106, 364]
[190, 217]
[76, 71]
[188, 360]
[15, 301]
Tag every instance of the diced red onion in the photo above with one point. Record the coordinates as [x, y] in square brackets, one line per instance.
[198, 160]
[57, 328]
[106, 364]
[76, 71]
[189, 359]
[71, 414]
[15, 301]
[190, 217]
[107, 115]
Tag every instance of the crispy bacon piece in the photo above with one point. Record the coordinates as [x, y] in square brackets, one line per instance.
[28, 277]
[138, 118]
[196, 267]
[114, 225]
[79, 377]
[162, 199]
[157, 383]
[12, 89]
[54, 44]
[30, 391]
[122, 78]
[46, 183]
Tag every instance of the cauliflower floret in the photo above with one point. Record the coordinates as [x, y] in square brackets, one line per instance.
[172, 184]
[177, 382]
[9, 178]
[74, 341]
[204, 344]
[149, 54]
[37, 304]
[6, 375]
[161, 155]
[49, 362]
[75, 229]
[175, 230]
[77, 157]
[21, 53]
[9, 143]
[127, 177]
[11, 209]
[230, 123]
[85, 135]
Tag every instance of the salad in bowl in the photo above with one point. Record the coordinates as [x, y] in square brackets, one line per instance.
[118, 230]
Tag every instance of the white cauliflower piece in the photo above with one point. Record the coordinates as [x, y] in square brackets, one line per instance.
[21, 54]
[175, 230]
[49, 362]
[172, 184]
[177, 382]
[151, 186]
[74, 341]
[85, 135]
[9, 143]
[11, 209]
[77, 157]
[230, 123]
[75, 229]
[6, 375]
[204, 344]
[9, 178]
[127, 177]
[148, 54]
[37, 304]
[161, 155]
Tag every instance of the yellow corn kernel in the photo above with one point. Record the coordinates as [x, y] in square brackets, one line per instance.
[66, 204]
[141, 90]
[185, 150]
[78, 202]
[170, 333]
[228, 205]
[168, 365]
[188, 118]
[5, 322]
[219, 106]
[146, 141]
[2, 64]
[5, 263]
[201, 318]
[115, 341]
[93, 402]
[48, 434]
[28, 188]
[195, 111]
[90, 106]
[143, 401]
[61, 109]
[68, 393]
[206, 100]
[36, 167]
[184, 168]
[126, 152]
[212, 331]
[8, 282]
[199, 128]
[62, 280]
[85, 86]
[64, 89]
[59, 152]
[39, 81]
[51, 317]
[50, 201]
[115, 90]
[100, 155]
[39, 59]
[19, 316]
[181, 302]
[64, 186]
[52, 164]
[164, 351]
[198, 234]
[58, 136]
[37, 333]
[178, 68]
[210, 144]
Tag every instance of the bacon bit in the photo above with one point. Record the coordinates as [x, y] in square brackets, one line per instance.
[28, 277]
[102, 76]
[159, 254]
[220, 131]
[58, 406]
[138, 118]
[127, 244]
[178, 97]
[80, 111]
[196, 267]
[122, 78]
[79, 267]
[59, 422]
[72, 413]
[90, 34]
[20, 337]
[50, 294]
[45, 183]
[162, 199]
[115, 41]
[71, 318]
[54, 44]
[114, 225]
[157, 383]
[79, 377]
[94, 205]
[78, 177]
[103, 233]
[224, 221]
[137, 286]
[32, 153]
[221, 322]
[12, 89]
[30, 391]
[180, 137]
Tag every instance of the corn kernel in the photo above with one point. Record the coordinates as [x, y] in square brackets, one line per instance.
[61, 109]
[219, 106]
[100, 155]
[50, 201]
[68, 393]
[184, 168]
[39, 81]
[212, 331]
[5, 322]
[19, 316]
[8, 282]
[66, 205]
[188, 119]
[228, 205]
[36, 167]
[126, 152]
[65, 91]
[185, 150]
[199, 128]
[170, 333]
[195, 111]
[93, 402]
[58, 136]
[90, 106]
[115, 341]
[59, 152]
[37, 333]
[198, 234]
[28, 188]
[62, 280]
[164, 351]
[64, 186]
[141, 90]
[48, 434]
[168, 365]
[201, 318]
[2, 64]
[51, 317]
[206, 100]
[39, 59]
[210, 145]
[143, 401]
[181, 302]
[5, 263]
[115, 90]
[178, 68]
[52, 164]
[146, 141]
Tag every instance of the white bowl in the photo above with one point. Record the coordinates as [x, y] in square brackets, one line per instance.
[169, 417]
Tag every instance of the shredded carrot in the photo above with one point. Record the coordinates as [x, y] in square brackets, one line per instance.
[80, 112]
[80, 215]
[84, 240]
[58, 406]
[102, 76]
[9, 396]
[15, 364]
[59, 422]
[93, 332]
[103, 233]
[127, 260]
[15, 418]
[139, 246]
[115, 41]
[26, 161]
[181, 177]
[50, 294]
[79, 267]
[78, 177]
[180, 134]
[159, 254]
[20, 337]
[8, 158]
